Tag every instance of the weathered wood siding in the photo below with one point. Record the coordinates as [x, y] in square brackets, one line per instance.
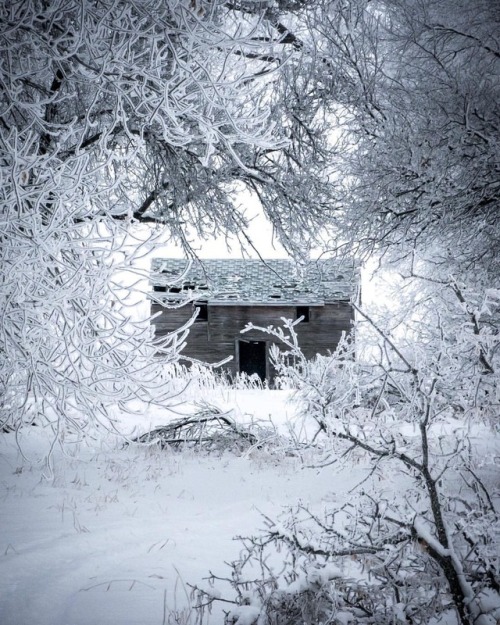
[215, 339]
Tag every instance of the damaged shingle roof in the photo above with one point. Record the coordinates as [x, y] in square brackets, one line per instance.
[248, 281]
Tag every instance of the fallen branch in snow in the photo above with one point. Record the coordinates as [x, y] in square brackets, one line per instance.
[209, 429]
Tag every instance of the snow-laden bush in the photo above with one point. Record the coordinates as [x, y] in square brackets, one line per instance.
[71, 346]
[417, 540]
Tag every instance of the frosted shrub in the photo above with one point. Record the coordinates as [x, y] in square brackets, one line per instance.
[417, 538]
[204, 377]
[70, 347]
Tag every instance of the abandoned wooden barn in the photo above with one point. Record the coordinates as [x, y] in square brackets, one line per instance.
[229, 294]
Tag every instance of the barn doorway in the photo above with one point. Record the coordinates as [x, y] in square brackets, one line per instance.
[252, 358]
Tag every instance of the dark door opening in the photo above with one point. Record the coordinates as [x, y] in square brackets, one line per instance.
[252, 358]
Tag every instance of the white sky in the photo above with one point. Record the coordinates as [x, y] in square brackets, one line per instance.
[260, 232]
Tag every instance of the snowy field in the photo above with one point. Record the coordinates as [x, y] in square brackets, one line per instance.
[116, 533]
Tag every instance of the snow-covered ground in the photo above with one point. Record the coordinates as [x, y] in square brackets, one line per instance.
[117, 531]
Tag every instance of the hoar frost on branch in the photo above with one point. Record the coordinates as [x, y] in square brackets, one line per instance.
[111, 114]
[421, 108]
[417, 538]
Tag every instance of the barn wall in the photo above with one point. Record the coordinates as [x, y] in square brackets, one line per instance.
[215, 339]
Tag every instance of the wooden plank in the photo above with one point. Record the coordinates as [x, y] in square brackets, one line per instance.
[215, 339]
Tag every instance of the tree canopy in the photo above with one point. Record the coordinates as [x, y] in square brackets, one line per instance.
[369, 126]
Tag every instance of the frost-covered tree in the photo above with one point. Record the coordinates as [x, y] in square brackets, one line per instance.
[377, 119]
[113, 114]
[420, 109]
[416, 540]
[390, 108]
